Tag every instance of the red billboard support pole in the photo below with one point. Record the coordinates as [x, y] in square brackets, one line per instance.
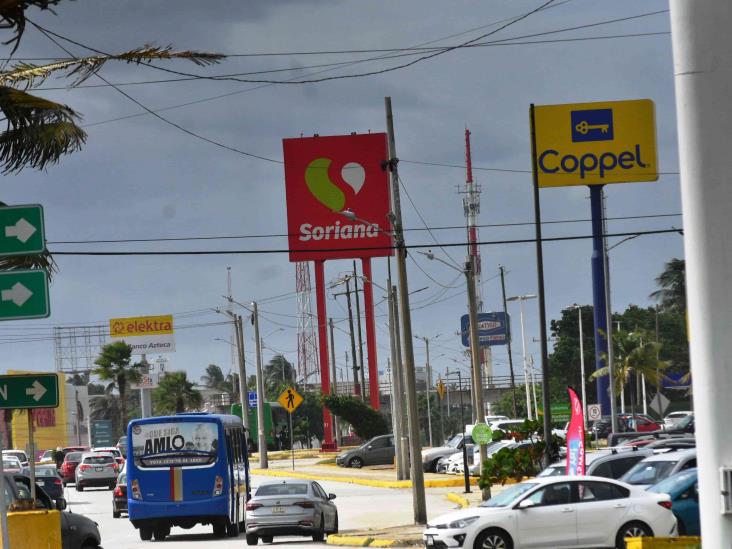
[328, 444]
[368, 300]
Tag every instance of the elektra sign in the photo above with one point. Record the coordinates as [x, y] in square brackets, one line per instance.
[325, 176]
[596, 143]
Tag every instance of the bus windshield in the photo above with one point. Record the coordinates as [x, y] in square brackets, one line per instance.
[173, 444]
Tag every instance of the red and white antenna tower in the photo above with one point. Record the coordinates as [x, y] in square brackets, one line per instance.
[471, 207]
[307, 343]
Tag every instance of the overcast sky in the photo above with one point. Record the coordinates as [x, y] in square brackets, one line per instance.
[138, 177]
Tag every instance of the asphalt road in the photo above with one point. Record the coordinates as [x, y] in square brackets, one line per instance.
[359, 507]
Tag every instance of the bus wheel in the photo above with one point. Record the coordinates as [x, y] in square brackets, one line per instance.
[252, 539]
[146, 533]
[161, 532]
[232, 530]
[219, 529]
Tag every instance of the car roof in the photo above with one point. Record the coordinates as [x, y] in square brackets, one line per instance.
[677, 455]
[96, 454]
[286, 481]
[565, 478]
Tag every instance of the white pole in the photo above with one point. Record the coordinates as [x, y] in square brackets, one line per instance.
[702, 43]
[582, 369]
[526, 372]
[3, 508]
[645, 402]
[622, 398]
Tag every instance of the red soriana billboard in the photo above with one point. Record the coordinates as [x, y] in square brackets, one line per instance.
[327, 175]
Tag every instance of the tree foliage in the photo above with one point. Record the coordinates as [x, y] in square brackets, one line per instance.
[278, 374]
[175, 394]
[672, 287]
[366, 422]
[114, 364]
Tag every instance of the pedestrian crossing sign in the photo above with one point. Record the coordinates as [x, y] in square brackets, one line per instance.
[290, 399]
[441, 389]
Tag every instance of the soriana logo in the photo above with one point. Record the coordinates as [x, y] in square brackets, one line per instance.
[325, 176]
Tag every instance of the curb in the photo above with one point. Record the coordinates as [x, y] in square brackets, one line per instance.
[436, 483]
[366, 541]
[461, 501]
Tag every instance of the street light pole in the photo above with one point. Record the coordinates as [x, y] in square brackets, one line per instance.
[429, 382]
[521, 299]
[582, 366]
[508, 340]
[261, 437]
[334, 387]
[418, 495]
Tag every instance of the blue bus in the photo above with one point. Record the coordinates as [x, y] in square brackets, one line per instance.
[187, 469]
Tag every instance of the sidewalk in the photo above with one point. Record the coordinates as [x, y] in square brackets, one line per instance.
[381, 476]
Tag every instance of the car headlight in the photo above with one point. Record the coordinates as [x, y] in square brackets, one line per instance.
[463, 522]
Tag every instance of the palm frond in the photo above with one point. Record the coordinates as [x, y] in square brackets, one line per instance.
[30, 75]
[12, 16]
[42, 261]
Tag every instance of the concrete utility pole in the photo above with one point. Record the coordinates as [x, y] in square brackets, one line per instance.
[429, 383]
[334, 386]
[356, 386]
[360, 337]
[261, 435]
[702, 43]
[243, 393]
[396, 388]
[145, 394]
[508, 339]
[418, 497]
[400, 378]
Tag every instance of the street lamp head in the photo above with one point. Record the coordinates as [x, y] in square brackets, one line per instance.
[349, 214]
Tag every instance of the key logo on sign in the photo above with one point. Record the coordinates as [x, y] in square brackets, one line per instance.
[592, 125]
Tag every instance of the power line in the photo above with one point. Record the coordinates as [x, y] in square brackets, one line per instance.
[355, 249]
[283, 235]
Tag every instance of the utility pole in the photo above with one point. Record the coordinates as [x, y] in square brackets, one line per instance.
[334, 387]
[475, 355]
[145, 394]
[418, 496]
[401, 387]
[429, 382]
[508, 340]
[347, 293]
[360, 339]
[526, 366]
[701, 46]
[396, 393]
[261, 436]
[243, 393]
[582, 366]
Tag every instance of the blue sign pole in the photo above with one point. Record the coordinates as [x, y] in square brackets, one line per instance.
[598, 296]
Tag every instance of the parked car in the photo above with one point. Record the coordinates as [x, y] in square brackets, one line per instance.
[290, 508]
[77, 531]
[11, 464]
[20, 454]
[639, 423]
[119, 496]
[602, 463]
[673, 418]
[377, 451]
[96, 469]
[68, 467]
[683, 488]
[47, 457]
[684, 427]
[506, 424]
[555, 512]
[430, 456]
[657, 467]
[491, 419]
[122, 446]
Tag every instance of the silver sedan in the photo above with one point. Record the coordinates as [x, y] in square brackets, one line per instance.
[290, 508]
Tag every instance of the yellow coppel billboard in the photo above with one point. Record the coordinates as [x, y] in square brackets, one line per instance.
[50, 425]
[596, 143]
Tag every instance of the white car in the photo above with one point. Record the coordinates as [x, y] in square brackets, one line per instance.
[556, 513]
[657, 467]
[20, 454]
[11, 464]
[673, 418]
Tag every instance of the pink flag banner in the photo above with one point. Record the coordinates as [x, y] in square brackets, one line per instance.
[575, 437]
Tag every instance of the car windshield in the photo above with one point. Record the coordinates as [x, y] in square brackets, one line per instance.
[45, 471]
[685, 422]
[553, 471]
[284, 489]
[98, 460]
[454, 441]
[648, 472]
[673, 483]
[11, 463]
[20, 455]
[509, 495]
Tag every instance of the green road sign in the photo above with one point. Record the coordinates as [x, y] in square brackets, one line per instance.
[101, 431]
[24, 294]
[560, 412]
[481, 433]
[21, 230]
[28, 391]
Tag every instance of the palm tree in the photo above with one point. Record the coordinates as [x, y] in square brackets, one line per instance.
[635, 353]
[672, 282]
[107, 406]
[114, 364]
[214, 377]
[175, 394]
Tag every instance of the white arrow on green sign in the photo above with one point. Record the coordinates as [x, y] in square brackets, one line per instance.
[21, 230]
[28, 391]
[23, 295]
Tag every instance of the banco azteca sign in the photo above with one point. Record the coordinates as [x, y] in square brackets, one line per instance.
[325, 176]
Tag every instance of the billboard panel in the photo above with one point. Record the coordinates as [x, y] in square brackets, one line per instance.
[146, 334]
[491, 329]
[596, 143]
[328, 175]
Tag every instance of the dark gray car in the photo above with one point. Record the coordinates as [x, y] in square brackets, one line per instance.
[377, 451]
